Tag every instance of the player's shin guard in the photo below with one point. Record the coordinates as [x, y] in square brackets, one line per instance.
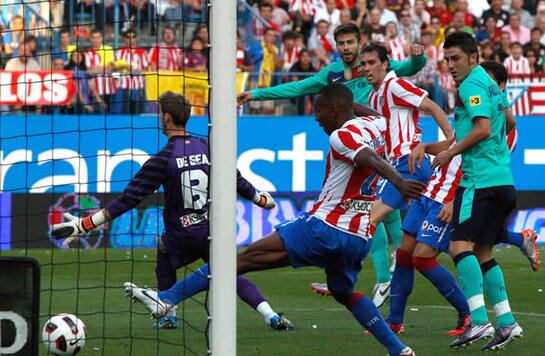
[380, 255]
[444, 281]
[494, 286]
[195, 283]
[166, 274]
[248, 292]
[367, 314]
[402, 286]
[471, 281]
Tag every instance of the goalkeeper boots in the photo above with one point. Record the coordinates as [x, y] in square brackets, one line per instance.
[279, 322]
[166, 322]
[529, 248]
[148, 297]
[503, 337]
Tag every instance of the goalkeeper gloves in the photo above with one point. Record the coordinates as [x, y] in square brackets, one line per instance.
[264, 200]
[76, 227]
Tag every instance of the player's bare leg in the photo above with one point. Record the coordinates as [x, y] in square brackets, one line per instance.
[267, 253]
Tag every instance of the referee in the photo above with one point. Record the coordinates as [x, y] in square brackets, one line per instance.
[486, 195]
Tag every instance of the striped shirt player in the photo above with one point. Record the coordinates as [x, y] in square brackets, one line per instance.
[396, 48]
[104, 84]
[167, 58]
[517, 66]
[137, 61]
[348, 192]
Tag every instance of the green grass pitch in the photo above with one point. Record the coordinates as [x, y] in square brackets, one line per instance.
[92, 289]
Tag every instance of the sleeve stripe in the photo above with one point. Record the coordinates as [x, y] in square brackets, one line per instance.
[347, 140]
[410, 87]
[354, 129]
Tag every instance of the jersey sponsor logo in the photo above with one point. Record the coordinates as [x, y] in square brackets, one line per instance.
[426, 226]
[357, 206]
[475, 100]
[192, 219]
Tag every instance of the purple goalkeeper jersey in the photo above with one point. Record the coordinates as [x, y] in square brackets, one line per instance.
[182, 168]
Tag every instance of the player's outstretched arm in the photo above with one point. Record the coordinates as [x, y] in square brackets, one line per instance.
[479, 132]
[409, 189]
[364, 110]
[439, 116]
[411, 66]
[76, 227]
[248, 192]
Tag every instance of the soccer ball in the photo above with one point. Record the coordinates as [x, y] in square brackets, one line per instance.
[64, 334]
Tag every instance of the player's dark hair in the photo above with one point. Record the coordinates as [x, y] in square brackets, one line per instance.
[462, 40]
[380, 50]
[347, 29]
[497, 69]
[337, 93]
[177, 106]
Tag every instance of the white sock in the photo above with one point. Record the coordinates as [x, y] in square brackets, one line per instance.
[265, 309]
[171, 312]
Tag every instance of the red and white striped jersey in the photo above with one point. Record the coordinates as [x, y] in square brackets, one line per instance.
[348, 192]
[514, 66]
[512, 139]
[398, 101]
[104, 84]
[137, 61]
[397, 52]
[167, 58]
[290, 57]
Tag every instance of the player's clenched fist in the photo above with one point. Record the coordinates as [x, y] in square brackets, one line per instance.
[243, 97]
[417, 50]
[264, 200]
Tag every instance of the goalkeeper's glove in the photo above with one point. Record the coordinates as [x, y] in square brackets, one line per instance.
[264, 200]
[76, 227]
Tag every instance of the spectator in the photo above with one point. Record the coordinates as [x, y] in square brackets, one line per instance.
[270, 60]
[490, 31]
[132, 60]
[396, 45]
[503, 48]
[258, 27]
[440, 10]
[359, 13]
[244, 58]
[81, 101]
[501, 16]
[99, 62]
[487, 52]
[167, 56]
[408, 31]
[516, 63]
[3, 56]
[65, 48]
[330, 14]
[518, 33]
[385, 14]
[13, 37]
[469, 19]
[419, 16]
[526, 19]
[534, 44]
[24, 61]
[396, 6]
[303, 65]
[458, 22]
[302, 12]
[290, 50]
[345, 17]
[426, 77]
[195, 60]
[533, 59]
[202, 33]
[374, 30]
[322, 45]
[447, 87]
[144, 12]
[281, 18]
[57, 63]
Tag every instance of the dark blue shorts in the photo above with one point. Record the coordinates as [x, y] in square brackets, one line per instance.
[311, 242]
[390, 195]
[422, 222]
[188, 249]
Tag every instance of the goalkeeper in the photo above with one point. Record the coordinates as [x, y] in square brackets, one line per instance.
[182, 168]
[349, 72]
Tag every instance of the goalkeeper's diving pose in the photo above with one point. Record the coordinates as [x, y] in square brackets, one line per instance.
[182, 168]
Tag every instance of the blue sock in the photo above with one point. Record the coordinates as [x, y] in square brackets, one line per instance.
[401, 287]
[195, 283]
[367, 314]
[444, 281]
[514, 238]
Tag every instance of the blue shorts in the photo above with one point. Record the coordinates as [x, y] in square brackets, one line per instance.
[389, 194]
[311, 242]
[422, 221]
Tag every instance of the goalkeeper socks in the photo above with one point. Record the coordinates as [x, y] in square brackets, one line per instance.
[195, 283]
[494, 286]
[401, 287]
[268, 313]
[379, 254]
[367, 314]
[471, 281]
[444, 281]
[248, 292]
[514, 238]
[165, 273]
[393, 225]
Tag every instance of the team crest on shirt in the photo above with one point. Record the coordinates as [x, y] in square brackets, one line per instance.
[475, 100]
[381, 100]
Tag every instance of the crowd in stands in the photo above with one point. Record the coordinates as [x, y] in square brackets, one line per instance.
[282, 40]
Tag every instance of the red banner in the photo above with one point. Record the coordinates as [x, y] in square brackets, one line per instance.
[36, 88]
